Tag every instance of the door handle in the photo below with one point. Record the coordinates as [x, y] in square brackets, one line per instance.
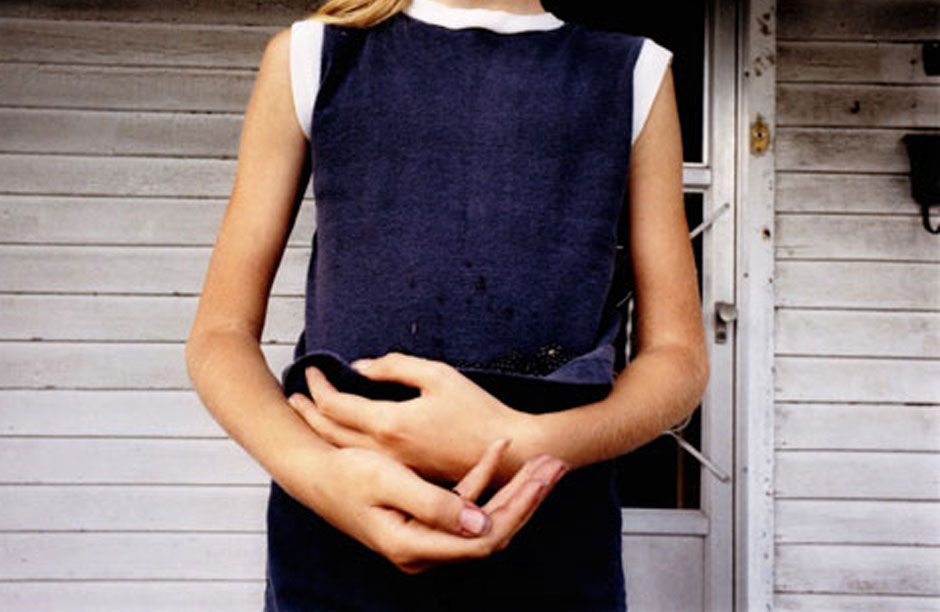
[725, 313]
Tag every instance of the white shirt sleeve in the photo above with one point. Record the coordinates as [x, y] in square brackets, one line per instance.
[647, 77]
[306, 42]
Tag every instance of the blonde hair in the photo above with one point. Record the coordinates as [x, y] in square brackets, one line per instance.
[357, 13]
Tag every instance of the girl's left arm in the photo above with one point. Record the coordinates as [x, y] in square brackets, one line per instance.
[442, 432]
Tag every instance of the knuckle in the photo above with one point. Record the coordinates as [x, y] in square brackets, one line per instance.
[389, 430]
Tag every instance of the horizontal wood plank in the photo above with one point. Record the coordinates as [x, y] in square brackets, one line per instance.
[801, 104]
[86, 42]
[820, 236]
[841, 150]
[79, 175]
[857, 522]
[851, 62]
[126, 461]
[811, 602]
[96, 318]
[845, 193]
[132, 556]
[236, 12]
[93, 132]
[887, 570]
[133, 270]
[857, 333]
[850, 379]
[133, 596]
[71, 365]
[857, 427]
[169, 88]
[857, 475]
[862, 20]
[150, 413]
[858, 284]
[131, 221]
[133, 508]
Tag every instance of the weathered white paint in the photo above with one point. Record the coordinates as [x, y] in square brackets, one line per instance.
[29, 219]
[857, 336]
[755, 236]
[151, 318]
[914, 523]
[820, 426]
[133, 596]
[117, 489]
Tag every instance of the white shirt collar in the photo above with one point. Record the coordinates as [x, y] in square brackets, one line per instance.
[504, 22]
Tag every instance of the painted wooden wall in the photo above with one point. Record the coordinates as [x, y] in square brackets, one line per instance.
[119, 129]
[857, 367]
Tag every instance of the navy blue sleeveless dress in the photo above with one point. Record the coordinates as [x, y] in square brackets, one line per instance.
[468, 186]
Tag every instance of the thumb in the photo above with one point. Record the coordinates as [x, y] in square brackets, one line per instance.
[434, 506]
[398, 367]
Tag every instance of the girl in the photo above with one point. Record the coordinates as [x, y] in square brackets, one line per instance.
[471, 162]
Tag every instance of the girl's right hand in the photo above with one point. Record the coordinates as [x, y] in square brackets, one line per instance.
[416, 524]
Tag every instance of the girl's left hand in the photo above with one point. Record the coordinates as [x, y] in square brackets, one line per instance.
[440, 433]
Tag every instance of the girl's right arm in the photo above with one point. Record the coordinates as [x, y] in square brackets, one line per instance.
[364, 493]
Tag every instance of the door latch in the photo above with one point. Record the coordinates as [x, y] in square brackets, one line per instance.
[725, 313]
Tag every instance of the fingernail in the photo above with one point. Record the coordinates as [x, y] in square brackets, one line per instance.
[361, 365]
[474, 521]
[294, 400]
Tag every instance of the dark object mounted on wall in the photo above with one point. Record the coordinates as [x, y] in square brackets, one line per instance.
[924, 151]
[931, 54]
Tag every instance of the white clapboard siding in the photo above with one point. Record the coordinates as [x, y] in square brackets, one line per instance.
[857, 333]
[820, 426]
[106, 365]
[93, 132]
[129, 461]
[802, 104]
[156, 44]
[814, 149]
[146, 413]
[121, 126]
[132, 556]
[845, 193]
[820, 236]
[914, 523]
[857, 475]
[133, 596]
[857, 379]
[153, 318]
[858, 284]
[874, 20]
[207, 14]
[841, 602]
[32, 219]
[883, 570]
[851, 62]
[857, 324]
[127, 269]
[104, 508]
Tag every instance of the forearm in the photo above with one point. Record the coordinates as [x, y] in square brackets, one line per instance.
[232, 378]
[657, 390]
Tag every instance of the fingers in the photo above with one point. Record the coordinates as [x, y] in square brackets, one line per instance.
[414, 546]
[433, 505]
[398, 367]
[349, 409]
[474, 483]
[328, 429]
[543, 468]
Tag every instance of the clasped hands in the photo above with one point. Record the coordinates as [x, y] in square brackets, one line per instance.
[390, 453]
